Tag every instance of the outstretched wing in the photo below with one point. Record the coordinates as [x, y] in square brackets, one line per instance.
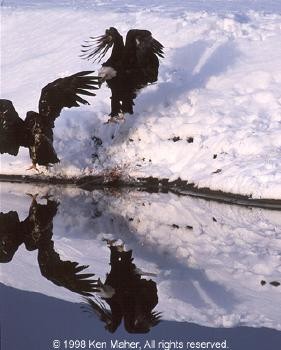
[12, 129]
[155, 318]
[96, 47]
[141, 57]
[64, 92]
[10, 235]
[143, 43]
[65, 273]
[99, 309]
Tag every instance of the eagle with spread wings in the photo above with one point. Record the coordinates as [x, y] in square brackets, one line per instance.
[130, 67]
[36, 131]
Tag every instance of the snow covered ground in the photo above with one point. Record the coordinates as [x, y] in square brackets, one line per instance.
[214, 118]
[209, 258]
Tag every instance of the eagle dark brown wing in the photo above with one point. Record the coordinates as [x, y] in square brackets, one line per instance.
[64, 92]
[96, 47]
[13, 133]
[142, 42]
[141, 56]
[10, 235]
[65, 273]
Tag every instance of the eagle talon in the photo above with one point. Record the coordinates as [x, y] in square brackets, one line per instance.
[109, 242]
[112, 119]
[33, 197]
[120, 117]
[33, 167]
[47, 196]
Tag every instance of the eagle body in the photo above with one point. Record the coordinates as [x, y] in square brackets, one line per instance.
[36, 131]
[136, 64]
[41, 149]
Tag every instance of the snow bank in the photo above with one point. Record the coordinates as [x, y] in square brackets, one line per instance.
[209, 257]
[214, 118]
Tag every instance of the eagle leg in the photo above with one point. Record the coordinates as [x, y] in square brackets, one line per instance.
[33, 167]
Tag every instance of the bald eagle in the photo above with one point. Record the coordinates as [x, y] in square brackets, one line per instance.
[36, 131]
[130, 67]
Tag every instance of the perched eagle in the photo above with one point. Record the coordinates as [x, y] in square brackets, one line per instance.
[129, 68]
[36, 131]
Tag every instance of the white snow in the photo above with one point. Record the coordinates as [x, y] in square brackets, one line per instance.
[219, 86]
[209, 257]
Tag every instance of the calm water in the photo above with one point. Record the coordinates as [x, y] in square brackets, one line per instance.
[79, 265]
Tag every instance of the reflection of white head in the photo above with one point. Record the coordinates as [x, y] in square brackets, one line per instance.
[107, 73]
[105, 290]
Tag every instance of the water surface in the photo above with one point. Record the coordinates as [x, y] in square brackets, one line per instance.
[203, 263]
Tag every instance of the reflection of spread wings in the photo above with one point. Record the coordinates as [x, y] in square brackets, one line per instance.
[133, 298]
[10, 235]
[98, 307]
[65, 273]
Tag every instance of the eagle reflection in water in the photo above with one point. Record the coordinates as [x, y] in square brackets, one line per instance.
[36, 232]
[129, 296]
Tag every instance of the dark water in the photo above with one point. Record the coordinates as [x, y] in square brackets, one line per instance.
[110, 265]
